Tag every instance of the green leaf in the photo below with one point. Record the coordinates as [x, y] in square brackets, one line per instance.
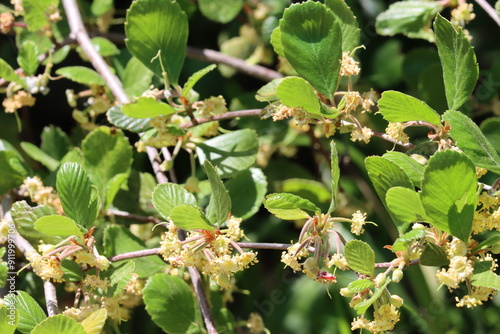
[136, 78]
[8, 73]
[472, 141]
[411, 167]
[147, 107]
[460, 69]
[247, 191]
[74, 188]
[28, 57]
[267, 93]
[295, 92]
[484, 277]
[25, 216]
[405, 205]
[491, 241]
[411, 18]
[59, 56]
[449, 193]
[119, 119]
[433, 256]
[37, 154]
[106, 154]
[119, 276]
[230, 152]
[347, 22]
[112, 188]
[104, 46]
[100, 7]
[312, 43]
[118, 240]
[335, 170]
[8, 320]
[35, 13]
[80, 74]
[59, 324]
[219, 206]
[402, 243]
[360, 257]
[289, 206]
[314, 191]
[398, 107]
[72, 271]
[30, 313]
[189, 217]
[384, 175]
[220, 11]
[167, 196]
[58, 225]
[12, 171]
[158, 25]
[55, 142]
[170, 303]
[94, 323]
[365, 304]
[489, 127]
[195, 77]
[276, 42]
[360, 285]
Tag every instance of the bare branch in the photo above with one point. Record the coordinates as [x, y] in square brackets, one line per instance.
[50, 298]
[202, 300]
[489, 10]
[228, 115]
[134, 255]
[263, 245]
[128, 215]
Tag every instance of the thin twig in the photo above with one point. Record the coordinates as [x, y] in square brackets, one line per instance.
[128, 215]
[228, 115]
[50, 297]
[391, 140]
[202, 300]
[263, 245]
[489, 10]
[134, 255]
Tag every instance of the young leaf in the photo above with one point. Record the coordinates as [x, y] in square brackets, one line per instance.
[28, 57]
[104, 46]
[460, 69]
[58, 225]
[106, 154]
[37, 154]
[25, 216]
[9, 320]
[484, 276]
[35, 13]
[220, 202]
[168, 300]
[433, 256]
[30, 313]
[360, 285]
[347, 22]
[405, 205]
[59, 323]
[195, 77]
[494, 240]
[189, 217]
[220, 11]
[401, 243]
[411, 167]
[147, 107]
[12, 171]
[167, 196]
[276, 42]
[335, 170]
[74, 188]
[158, 25]
[118, 118]
[289, 206]
[55, 142]
[411, 18]
[472, 141]
[312, 43]
[80, 74]
[118, 240]
[360, 257]
[136, 78]
[267, 93]
[8, 73]
[398, 107]
[119, 276]
[94, 323]
[247, 191]
[365, 304]
[230, 152]
[295, 92]
[384, 175]
[72, 271]
[449, 192]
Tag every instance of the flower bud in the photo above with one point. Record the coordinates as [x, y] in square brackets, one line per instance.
[396, 301]
[380, 279]
[397, 275]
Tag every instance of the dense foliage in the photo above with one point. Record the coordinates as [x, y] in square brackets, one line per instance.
[333, 168]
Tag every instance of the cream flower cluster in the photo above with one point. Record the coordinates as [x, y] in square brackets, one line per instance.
[33, 187]
[215, 254]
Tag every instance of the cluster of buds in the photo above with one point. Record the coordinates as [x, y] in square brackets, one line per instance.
[214, 253]
[33, 188]
[487, 214]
